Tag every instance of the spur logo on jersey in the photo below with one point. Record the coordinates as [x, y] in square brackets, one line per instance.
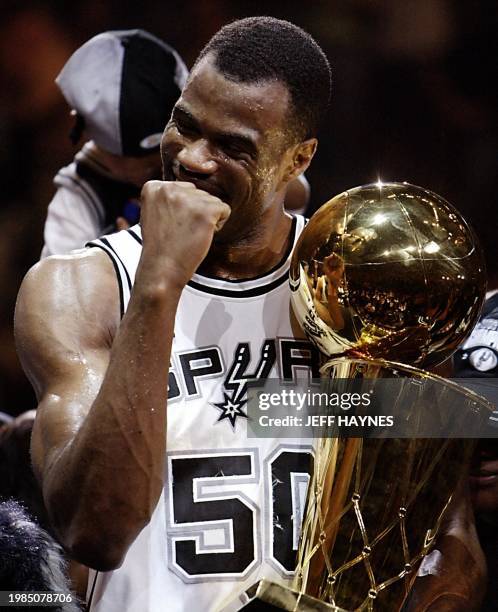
[284, 358]
[235, 384]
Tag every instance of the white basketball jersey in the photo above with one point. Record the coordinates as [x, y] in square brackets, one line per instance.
[231, 507]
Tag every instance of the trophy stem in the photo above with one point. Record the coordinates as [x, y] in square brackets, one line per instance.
[335, 491]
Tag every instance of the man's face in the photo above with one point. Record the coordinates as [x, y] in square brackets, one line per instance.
[229, 139]
[484, 478]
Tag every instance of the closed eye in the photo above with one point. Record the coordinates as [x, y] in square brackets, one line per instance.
[234, 145]
[186, 128]
[184, 122]
[237, 147]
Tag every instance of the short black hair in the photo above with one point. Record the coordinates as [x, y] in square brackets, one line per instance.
[259, 49]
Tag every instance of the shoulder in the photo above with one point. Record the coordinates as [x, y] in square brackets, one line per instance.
[89, 267]
[76, 291]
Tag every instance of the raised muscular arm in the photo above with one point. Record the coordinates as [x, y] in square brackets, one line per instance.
[100, 434]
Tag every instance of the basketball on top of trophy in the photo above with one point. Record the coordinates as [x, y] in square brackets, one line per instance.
[390, 271]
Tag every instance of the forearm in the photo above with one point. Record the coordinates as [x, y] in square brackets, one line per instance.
[453, 577]
[456, 584]
[104, 485]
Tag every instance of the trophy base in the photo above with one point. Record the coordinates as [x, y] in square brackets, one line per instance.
[266, 596]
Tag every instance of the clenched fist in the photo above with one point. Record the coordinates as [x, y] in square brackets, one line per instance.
[178, 224]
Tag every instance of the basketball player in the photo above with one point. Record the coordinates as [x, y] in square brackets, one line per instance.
[122, 86]
[178, 504]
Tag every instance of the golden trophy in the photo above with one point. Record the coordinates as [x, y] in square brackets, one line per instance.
[386, 279]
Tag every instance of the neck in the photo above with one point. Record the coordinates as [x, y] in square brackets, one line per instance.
[253, 255]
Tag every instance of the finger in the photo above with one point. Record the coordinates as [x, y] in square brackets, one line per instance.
[185, 184]
[225, 212]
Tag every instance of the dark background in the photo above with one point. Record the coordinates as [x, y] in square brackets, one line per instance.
[414, 98]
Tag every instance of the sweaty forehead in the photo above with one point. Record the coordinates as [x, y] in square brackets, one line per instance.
[258, 108]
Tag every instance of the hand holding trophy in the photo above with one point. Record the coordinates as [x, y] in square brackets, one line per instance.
[386, 279]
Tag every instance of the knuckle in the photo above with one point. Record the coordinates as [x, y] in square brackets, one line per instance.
[149, 191]
[198, 214]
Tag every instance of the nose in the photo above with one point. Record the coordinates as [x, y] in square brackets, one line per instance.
[196, 157]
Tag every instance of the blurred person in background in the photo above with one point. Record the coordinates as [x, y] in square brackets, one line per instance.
[121, 86]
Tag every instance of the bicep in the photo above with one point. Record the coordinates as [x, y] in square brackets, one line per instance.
[63, 335]
[63, 406]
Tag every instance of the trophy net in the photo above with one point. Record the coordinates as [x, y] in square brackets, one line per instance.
[375, 505]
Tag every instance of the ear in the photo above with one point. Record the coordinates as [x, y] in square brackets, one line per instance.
[300, 157]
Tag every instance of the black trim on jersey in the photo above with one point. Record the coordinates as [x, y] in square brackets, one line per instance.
[253, 292]
[136, 236]
[108, 244]
[118, 275]
[89, 602]
[240, 294]
[252, 278]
